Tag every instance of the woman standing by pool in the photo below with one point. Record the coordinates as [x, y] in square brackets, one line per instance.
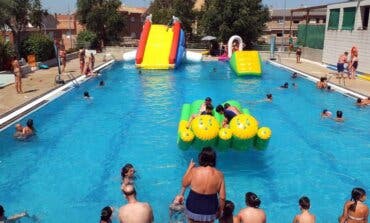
[206, 198]
[354, 210]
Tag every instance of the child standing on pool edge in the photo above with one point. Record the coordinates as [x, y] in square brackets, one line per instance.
[305, 216]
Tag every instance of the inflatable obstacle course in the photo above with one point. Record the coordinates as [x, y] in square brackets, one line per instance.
[206, 130]
[246, 63]
[243, 62]
[160, 46]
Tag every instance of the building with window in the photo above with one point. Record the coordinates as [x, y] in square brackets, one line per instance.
[347, 26]
[135, 18]
[287, 22]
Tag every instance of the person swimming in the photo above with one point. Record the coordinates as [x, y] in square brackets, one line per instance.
[128, 174]
[101, 83]
[294, 75]
[339, 117]
[285, 85]
[269, 97]
[326, 113]
[86, 95]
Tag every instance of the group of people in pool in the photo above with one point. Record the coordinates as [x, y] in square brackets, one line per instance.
[206, 200]
[227, 110]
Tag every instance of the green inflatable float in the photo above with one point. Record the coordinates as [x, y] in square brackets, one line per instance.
[206, 130]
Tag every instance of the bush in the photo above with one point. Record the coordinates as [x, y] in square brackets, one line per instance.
[87, 39]
[6, 54]
[38, 44]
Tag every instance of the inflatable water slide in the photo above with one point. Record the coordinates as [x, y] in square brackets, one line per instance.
[161, 46]
[244, 62]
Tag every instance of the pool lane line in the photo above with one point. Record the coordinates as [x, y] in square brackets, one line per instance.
[29, 107]
[340, 89]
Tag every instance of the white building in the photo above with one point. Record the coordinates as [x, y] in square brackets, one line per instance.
[348, 25]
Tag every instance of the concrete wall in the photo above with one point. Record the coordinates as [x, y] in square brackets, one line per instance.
[338, 41]
[312, 54]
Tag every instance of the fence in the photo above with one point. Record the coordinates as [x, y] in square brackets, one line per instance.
[311, 36]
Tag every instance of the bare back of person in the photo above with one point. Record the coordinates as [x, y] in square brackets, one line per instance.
[137, 212]
[250, 214]
[360, 215]
[342, 59]
[305, 217]
[206, 180]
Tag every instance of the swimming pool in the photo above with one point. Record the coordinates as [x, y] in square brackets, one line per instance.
[72, 168]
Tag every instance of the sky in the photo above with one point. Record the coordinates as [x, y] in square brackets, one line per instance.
[58, 6]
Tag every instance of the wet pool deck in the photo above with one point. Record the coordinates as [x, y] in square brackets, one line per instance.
[40, 82]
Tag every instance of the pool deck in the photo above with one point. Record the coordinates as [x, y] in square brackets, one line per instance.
[40, 82]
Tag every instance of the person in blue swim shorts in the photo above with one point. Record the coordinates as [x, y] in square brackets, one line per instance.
[341, 61]
[206, 198]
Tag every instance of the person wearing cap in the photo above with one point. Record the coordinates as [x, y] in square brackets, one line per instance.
[134, 211]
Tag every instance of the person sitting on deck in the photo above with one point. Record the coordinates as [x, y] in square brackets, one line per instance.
[305, 216]
[106, 215]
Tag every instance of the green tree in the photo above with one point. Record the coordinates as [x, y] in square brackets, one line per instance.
[224, 18]
[6, 54]
[38, 44]
[87, 39]
[163, 10]
[101, 17]
[37, 13]
[16, 14]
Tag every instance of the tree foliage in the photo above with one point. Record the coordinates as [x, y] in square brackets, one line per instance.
[38, 44]
[16, 14]
[101, 17]
[6, 54]
[87, 39]
[224, 18]
[163, 10]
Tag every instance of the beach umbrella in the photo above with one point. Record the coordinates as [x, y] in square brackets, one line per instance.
[208, 38]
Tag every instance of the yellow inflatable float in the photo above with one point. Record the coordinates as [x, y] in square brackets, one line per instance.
[242, 133]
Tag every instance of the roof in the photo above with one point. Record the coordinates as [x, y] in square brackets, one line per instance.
[138, 10]
[281, 12]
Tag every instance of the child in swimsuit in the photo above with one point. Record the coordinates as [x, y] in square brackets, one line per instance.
[305, 216]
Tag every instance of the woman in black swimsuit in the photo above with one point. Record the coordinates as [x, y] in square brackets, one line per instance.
[353, 66]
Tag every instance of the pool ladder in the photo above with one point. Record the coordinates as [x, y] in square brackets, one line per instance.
[70, 76]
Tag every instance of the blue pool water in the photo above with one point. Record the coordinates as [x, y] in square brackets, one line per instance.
[72, 168]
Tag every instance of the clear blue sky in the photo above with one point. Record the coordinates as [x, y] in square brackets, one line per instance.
[62, 6]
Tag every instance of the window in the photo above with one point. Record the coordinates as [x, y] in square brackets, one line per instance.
[365, 17]
[317, 20]
[349, 18]
[333, 19]
[279, 34]
[295, 21]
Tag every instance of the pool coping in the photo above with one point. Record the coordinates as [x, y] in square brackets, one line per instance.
[29, 107]
[345, 91]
